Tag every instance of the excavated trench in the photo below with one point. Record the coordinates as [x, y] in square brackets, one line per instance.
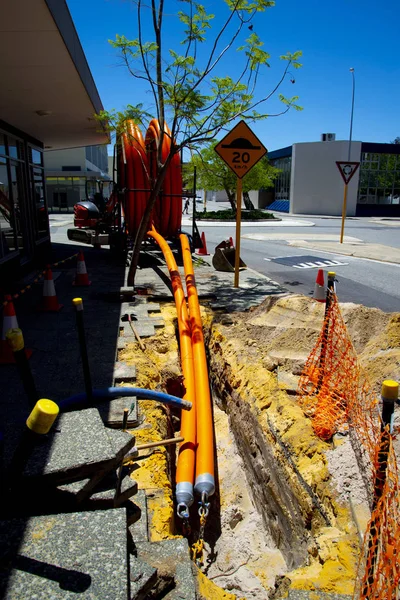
[243, 558]
[281, 515]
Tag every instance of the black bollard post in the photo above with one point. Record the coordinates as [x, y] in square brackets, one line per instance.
[15, 340]
[78, 304]
[389, 395]
[329, 291]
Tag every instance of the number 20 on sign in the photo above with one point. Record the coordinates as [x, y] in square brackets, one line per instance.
[240, 149]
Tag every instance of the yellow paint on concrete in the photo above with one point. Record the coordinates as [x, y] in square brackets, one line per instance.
[335, 575]
[160, 512]
[159, 361]
[208, 590]
[266, 566]
[41, 530]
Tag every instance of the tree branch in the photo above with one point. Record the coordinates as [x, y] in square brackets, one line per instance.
[150, 79]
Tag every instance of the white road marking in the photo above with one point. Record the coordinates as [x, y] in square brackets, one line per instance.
[60, 223]
[267, 223]
[286, 236]
[318, 264]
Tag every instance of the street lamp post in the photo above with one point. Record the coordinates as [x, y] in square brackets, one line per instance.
[352, 111]
[344, 209]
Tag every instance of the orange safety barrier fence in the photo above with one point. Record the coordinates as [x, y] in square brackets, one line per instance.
[335, 393]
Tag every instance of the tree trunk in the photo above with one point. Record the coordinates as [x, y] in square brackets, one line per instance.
[231, 198]
[247, 202]
[144, 224]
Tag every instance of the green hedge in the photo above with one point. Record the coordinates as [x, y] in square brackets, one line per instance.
[230, 215]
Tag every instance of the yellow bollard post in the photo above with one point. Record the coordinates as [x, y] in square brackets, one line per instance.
[42, 417]
[38, 424]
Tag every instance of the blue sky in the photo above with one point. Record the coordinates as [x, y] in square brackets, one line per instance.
[333, 35]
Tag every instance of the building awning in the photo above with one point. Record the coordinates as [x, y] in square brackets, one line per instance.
[47, 89]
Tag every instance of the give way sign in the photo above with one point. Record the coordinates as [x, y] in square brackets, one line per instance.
[347, 169]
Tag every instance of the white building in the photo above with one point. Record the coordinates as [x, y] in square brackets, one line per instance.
[73, 174]
[310, 182]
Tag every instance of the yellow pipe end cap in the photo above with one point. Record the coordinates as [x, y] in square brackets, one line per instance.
[43, 415]
[390, 389]
[331, 273]
[77, 301]
[15, 339]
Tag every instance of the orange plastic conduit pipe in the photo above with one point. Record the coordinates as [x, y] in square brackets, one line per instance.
[186, 458]
[205, 483]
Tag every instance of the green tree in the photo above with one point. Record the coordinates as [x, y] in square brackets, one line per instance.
[396, 140]
[213, 174]
[186, 84]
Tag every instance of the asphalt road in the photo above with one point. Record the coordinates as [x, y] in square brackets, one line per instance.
[362, 281]
[368, 282]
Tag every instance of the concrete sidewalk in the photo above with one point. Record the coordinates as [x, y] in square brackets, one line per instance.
[358, 249]
[55, 362]
[57, 371]
[217, 287]
[284, 222]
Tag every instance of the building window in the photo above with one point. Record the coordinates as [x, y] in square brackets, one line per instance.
[36, 172]
[64, 192]
[36, 156]
[379, 181]
[97, 155]
[282, 181]
[8, 241]
[17, 189]
[73, 168]
[60, 199]
[2, 144]
[14, 148]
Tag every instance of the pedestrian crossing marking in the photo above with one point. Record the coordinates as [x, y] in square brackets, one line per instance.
[319, 264]
[307, 262]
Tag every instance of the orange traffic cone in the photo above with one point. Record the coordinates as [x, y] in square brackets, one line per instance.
[50, 302]
[203, 250]
[319, 290]
[81, 277]
[9, 322]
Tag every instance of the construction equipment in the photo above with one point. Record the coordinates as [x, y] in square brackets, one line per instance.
[224, 259]
[116, 221]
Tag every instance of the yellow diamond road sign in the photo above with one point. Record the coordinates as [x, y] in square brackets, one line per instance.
[240, 149]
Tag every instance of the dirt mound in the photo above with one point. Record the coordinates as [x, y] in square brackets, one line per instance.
[283, 331]
[258, 354]
[363, 323]
[380, 356]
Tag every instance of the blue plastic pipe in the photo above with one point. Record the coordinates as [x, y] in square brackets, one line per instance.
[80, 400]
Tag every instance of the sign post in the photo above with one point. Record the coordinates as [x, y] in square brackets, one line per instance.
[347, 170]
[240, 149]
[238, 222]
